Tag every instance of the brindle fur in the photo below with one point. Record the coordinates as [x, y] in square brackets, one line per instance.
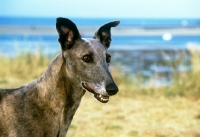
[46, 106]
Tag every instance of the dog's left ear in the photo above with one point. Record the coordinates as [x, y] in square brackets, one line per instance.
[104, 34]
[68, 32]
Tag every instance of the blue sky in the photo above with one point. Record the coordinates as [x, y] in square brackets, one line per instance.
[102, 8]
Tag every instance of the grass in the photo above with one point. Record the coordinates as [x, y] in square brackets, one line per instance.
[20, 70]
[141, 116]
[136, 111]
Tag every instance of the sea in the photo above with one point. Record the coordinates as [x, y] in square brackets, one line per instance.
[139, 46]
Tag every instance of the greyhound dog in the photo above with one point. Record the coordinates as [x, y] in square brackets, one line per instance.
[45, 107]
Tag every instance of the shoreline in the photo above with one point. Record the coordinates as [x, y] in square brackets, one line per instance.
[87, 30]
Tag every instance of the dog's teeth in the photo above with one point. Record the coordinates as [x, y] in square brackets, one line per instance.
[102, 98]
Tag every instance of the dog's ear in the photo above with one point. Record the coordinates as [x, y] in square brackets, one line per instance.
[68, 32]
[104, 34]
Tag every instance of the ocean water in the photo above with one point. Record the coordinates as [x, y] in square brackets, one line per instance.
[136, 22]
[145, 51]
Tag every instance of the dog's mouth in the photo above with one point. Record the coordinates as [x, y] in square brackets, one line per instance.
[99, 97]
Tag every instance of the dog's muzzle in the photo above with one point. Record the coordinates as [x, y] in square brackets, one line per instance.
[99, 97]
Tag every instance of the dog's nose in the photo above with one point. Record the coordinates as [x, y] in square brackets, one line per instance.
[112, 89]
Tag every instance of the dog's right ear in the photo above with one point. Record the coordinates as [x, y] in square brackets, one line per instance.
[104, 34]
[68, 33]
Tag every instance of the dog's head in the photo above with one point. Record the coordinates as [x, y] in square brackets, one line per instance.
[87, 60]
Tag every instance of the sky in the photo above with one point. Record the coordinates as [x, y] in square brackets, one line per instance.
[101, 8]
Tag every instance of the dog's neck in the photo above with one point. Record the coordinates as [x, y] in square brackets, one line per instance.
[60, 91]
[57, 81]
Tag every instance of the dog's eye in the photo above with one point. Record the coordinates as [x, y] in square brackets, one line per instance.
[87, 58]
[108, 58]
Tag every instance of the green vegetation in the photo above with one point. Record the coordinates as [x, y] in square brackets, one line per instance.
[136, 111]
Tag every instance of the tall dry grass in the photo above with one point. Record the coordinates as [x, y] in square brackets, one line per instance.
[136, 111]
[20, 70]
